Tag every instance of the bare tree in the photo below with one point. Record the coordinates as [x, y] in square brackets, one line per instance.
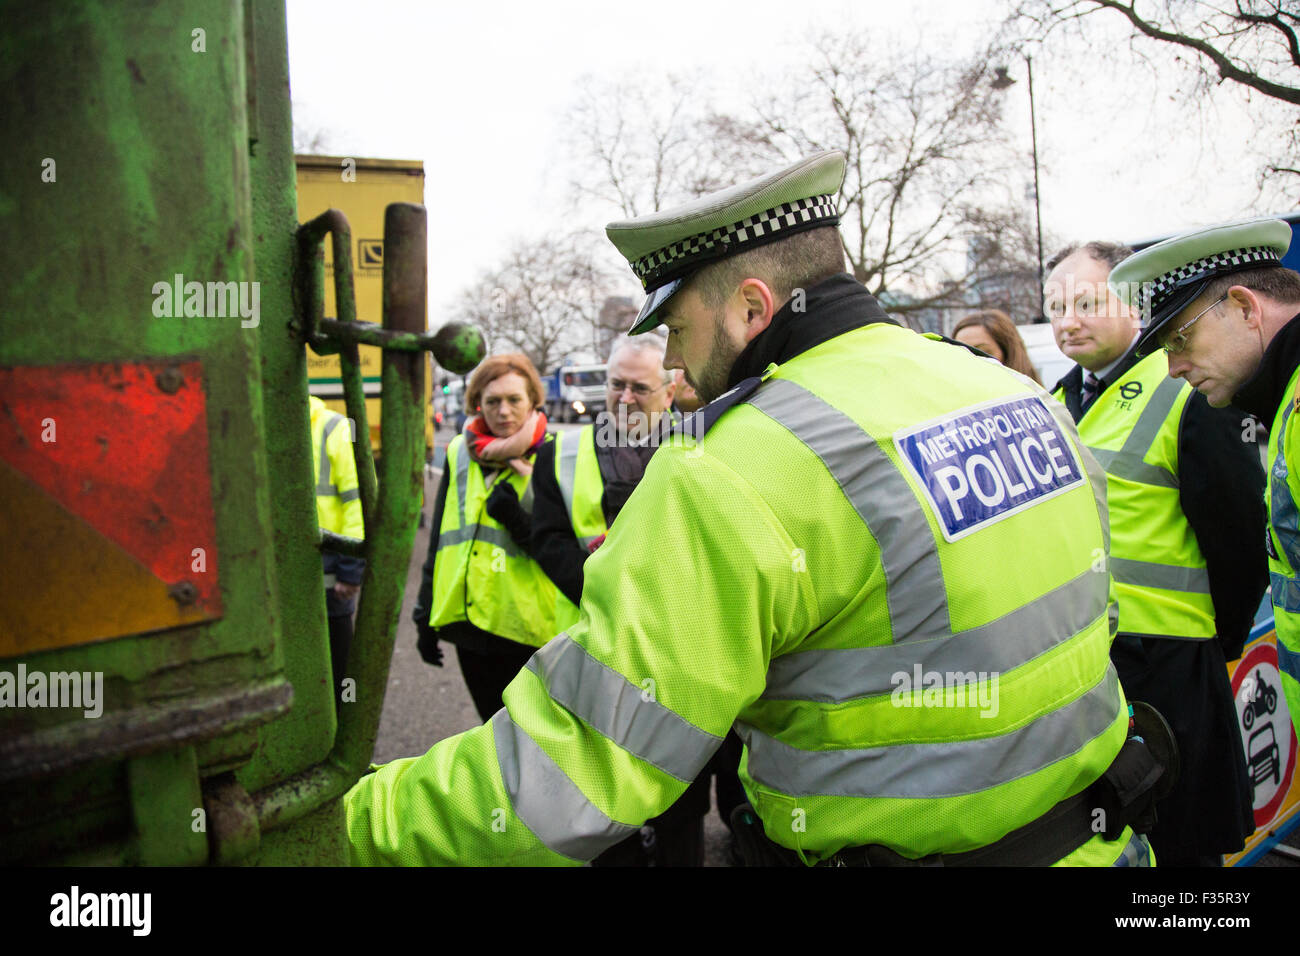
[1249, 45]
[638, 147]
[544, 299]
[1002, 264]
[927, 157]
[311, 141]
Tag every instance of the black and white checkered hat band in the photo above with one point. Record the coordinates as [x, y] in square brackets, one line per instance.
[1154, 293]
[653, 269]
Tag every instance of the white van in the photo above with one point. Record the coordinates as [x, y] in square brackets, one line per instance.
[1049, 360]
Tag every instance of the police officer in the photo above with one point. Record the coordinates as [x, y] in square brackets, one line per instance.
[876, 563]
[338, 509]
[1185, 491]
[1223, 307]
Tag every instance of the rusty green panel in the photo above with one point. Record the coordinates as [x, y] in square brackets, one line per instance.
[318, 839]
[150, 146]
[305, 735]
[156, 141]
[131, 167]
[169, 822]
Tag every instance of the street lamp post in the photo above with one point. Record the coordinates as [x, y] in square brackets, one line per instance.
[1001, 81]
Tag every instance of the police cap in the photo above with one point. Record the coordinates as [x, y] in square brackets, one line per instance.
[1162, 280]
[665, 247]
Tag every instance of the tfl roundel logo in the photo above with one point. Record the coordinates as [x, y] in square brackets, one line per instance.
[1131, 390]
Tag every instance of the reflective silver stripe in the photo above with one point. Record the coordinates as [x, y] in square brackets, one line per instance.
[1127, 462]
[462, 478]
[1096, 473]
[1137, 852]
[1145, 574]
[546, 800]
[877, 490]
[832, 676]
[568, 464]
[486, 534]
[611, 704]
[352, 495]
[1120, 464]
[324, 486]
[1149, 423]
[935, 769]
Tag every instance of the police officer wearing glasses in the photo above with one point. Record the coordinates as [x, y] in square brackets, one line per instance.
[1185, 496]
[1227, 312]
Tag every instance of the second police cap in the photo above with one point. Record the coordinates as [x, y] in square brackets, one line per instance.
[1162, 280]
[664, 248]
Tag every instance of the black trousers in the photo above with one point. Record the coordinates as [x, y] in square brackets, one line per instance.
[725, 766]
[1209, 811]
[488, 672]
[674, 838]
[340, 646]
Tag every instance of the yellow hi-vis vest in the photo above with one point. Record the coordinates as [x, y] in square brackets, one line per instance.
[338, 496]
[1284, 540]
[577, 472]
[880, 565]
[480, 575]
[1159, 571]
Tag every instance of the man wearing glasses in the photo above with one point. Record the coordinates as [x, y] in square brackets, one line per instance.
[1184, 493]
[1220, 302]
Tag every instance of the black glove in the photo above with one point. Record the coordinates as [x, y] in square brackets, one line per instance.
[427, 644]
[615, 497]
[503, 507]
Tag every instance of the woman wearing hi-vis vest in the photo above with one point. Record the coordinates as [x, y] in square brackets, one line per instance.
[480, 590]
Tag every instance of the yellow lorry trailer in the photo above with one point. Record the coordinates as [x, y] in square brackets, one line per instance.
[361, 189]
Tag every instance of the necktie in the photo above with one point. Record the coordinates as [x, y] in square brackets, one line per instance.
[1091, 386]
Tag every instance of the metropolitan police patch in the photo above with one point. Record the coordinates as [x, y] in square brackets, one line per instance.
[987, 462]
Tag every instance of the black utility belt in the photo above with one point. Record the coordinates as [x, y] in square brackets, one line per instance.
[1143, 772]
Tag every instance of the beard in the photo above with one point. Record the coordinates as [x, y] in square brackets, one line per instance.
[712, 380]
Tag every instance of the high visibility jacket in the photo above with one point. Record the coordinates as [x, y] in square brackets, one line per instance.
[1284, 540]
[480, 575]
[1160, 576]
[338, 495]
[794, 572]
[581, 486]
[578, 474]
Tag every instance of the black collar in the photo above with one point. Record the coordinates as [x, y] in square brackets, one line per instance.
[1072, 382]
[1262, 393]
[830, 308]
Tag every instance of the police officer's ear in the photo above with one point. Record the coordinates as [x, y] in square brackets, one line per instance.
[759, 306]
[1245, 300]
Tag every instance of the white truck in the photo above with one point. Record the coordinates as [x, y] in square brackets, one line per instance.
[575, 390]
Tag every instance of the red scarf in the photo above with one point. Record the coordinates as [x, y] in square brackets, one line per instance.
[512, 451]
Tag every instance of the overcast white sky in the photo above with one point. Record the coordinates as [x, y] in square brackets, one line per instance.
[479, 91]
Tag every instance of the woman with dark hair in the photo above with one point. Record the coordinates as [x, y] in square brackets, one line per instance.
[480, 590]
[992, 331]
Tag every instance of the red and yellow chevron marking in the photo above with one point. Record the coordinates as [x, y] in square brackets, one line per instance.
[106, 499]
